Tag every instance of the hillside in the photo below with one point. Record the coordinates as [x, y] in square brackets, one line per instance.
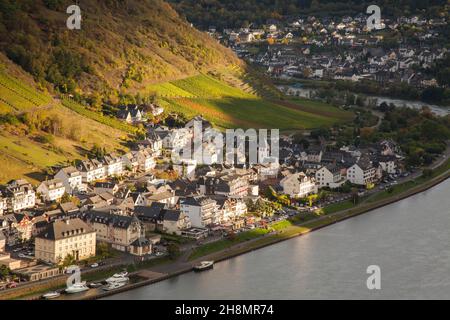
[230, 107]
[121, 47]
[38, 131]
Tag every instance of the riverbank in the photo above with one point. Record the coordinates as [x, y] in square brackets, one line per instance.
[162, 269]
[296, 230]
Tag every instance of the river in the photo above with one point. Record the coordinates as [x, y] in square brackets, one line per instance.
[311, 93]
[409, 241]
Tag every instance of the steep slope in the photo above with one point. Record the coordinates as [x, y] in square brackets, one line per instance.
[122, 45]
[37, 131]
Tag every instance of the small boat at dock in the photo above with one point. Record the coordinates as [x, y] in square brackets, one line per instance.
[114, 286]
[204, 265]
[77, 287]
[51, 295]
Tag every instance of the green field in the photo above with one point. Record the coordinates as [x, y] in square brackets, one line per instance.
[230, 107]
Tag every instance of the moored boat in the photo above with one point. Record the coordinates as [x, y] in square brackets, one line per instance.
[77, 287]
[117, 278]
[51, 295]
[114, 286]
[204, 265]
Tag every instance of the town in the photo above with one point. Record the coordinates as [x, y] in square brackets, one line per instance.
[134, 205]
[404, 51]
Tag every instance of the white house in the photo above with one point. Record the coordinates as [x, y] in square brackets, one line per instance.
[329, 176]
[362, 173]
[142, 159]
[388, 164]
[175, 221]
[20, 195]
[202, 211]
[51, 190]
[92, 170]
[71, 179]
[113, 165]
[3, 205]
[299, 185]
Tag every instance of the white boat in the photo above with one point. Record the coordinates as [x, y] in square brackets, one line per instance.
[51, 295]
[77, 287]
[95, 285]
[118, 277]
[204, 265]
[114, 286]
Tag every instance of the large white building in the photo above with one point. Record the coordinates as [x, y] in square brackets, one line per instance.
[62, 238]
[71, 179]
[298, 185]
[113, 165]
[92, 170]
[51, 190]
[362, 173]
[202, 211]
[329, 176]
[20, 195]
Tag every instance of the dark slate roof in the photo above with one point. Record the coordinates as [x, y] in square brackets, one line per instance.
[117, 221]
[65, 229]
[172, 215]
[140, 242]
[150, 212]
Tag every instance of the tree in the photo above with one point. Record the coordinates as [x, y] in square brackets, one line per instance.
[173, 250]
[68, 260]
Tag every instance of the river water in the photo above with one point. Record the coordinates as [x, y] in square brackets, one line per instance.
[409, 241]
[311, 93]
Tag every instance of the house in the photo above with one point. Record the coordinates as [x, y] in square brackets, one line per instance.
[117, 230]
[156, 110]
[362, 173]
[298, 185]
[151, 216]
[329, 176]
[163, 195]
[140, 247]
[388, 164]
[63, 238]
[228, 184]
[175, 221]
[7, 261]
[231, 209]
[92, 170]
[2, 241]
[202, 211]
[51, 190]
[71, 179]
[314, 156]
[19, 195]
[130, 114]
[113, 165]
[101, 187]
[3, 204]
[142, 159]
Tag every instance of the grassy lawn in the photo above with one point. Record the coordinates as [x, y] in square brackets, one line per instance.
[226, 243]
[335, 207]
[229, 107]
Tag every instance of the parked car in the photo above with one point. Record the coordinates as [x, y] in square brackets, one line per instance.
[94, 265]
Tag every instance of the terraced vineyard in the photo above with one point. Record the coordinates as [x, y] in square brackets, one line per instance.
[230, 107]
[23, 154]
[17, 96]
[109, 121]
